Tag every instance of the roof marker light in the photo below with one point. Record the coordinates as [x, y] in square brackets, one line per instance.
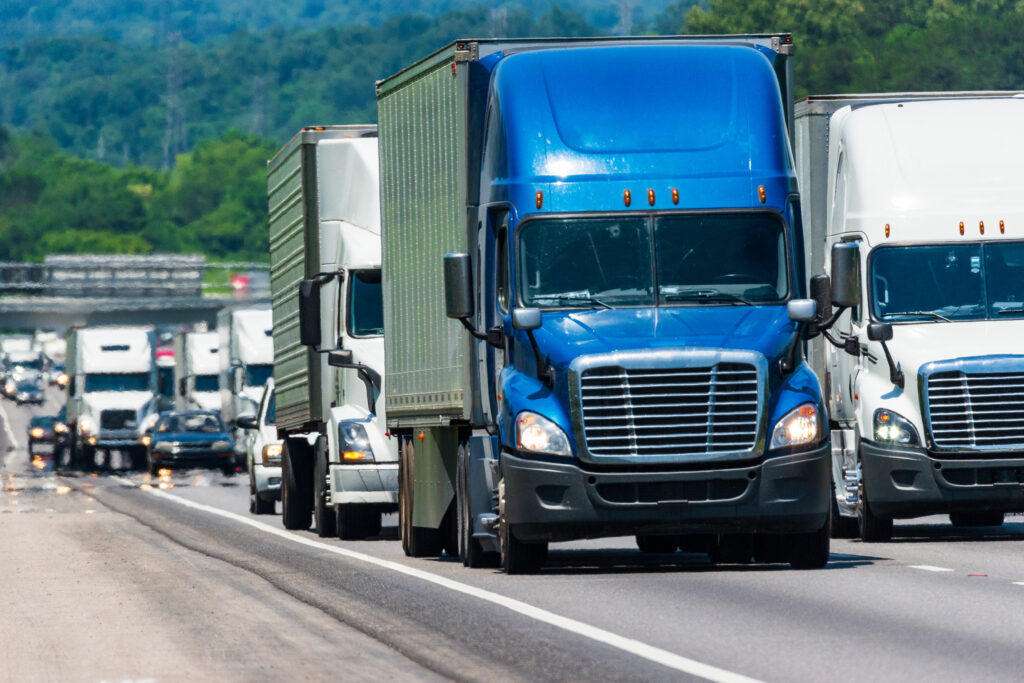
[886, 229]
[961, 227]
[650, 196]
[761, 194]
[675, 195]
[627, 197]
[1002, 228]
[539, 199]
[981, 227]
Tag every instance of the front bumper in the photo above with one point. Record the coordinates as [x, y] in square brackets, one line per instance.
[547, 501]
[373, 484]
[268, 481]
[908, 482]
[194, 458]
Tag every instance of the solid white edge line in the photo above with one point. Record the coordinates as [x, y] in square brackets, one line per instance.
[929, 568]
[634, 647]
[12, 443]
[1018, 583]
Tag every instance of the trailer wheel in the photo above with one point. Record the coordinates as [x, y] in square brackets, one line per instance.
[296, 498]
[471, 552]
[416, 541]
[324, 518]
[517, 557]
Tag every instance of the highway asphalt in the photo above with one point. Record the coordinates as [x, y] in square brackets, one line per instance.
[127, 576]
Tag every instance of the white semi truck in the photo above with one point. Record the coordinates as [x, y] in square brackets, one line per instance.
[112, 377]
[246, 356]
[197, 361]
[913, 203]
[338, 463]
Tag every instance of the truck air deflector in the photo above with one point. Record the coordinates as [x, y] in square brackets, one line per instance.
[681, 405]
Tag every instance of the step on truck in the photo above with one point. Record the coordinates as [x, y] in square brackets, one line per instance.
[913, 205]
[338, 464]
[197, 360]
[111, 379]
[593, 303]
[246, 355]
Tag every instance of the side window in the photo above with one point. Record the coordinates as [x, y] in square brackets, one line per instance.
[501, 256]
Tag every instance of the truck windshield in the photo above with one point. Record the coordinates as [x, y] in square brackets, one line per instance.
[257, 375]
[27, 364]
[207, 383]
[365, 304]
[948, 282]
[684, 259]
[117, 382]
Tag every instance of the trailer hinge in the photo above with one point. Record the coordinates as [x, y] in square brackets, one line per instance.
[467, 52]
[783, 48]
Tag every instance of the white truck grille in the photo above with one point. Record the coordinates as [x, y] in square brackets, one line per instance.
[976, 410]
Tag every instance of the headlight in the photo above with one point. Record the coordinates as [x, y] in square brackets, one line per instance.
[798, 427]
[538, 434]
[36, 433]
[891, 427]
[60, 428]
[146, 439]
[9, 387]
[62, 380]
[84, 425]
[271, 452]
[221, 445]
[354, 444]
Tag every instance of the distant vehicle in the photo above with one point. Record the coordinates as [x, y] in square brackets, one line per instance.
[263, 454]
[42, 435]
[246, 356]
[197, 367]
[18, 364]
[61, 435]
[29, 389]
[194, 438]
[57, 375]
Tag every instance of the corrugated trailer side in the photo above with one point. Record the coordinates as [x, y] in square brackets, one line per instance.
[422, 119]
[291, 199]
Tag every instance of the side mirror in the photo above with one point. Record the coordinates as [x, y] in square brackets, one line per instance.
[247, 422]
[526, 318]
[845, 274]
[880, 332]
[339, 359]
[821, 292]
[309, 312]
[458, 286]
[802, 310]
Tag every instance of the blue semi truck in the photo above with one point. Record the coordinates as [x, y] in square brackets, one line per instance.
[593, 294]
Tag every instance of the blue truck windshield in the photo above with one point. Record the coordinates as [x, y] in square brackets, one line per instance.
[117, 382]
[365, 304]
[733, 258]
[948, 282]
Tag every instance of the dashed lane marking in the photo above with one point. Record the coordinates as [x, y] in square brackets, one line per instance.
[629, 645]
[929, 568]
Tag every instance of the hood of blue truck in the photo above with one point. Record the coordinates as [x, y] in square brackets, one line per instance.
[566, 335]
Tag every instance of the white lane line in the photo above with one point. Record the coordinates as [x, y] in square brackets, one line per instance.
[1018, 583]
[929, 568]
[12, 443]
[634, 647]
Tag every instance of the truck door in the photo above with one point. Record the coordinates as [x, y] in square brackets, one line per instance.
[492, 294]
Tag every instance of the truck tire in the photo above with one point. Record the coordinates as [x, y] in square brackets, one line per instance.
[417, 541]
[517, 557]
[976, 519]
[324, 518]
[842, 527]
[811, 550]
[470, 551]
[871, 527]
[657, 545]
[296, 498]
[355, 522]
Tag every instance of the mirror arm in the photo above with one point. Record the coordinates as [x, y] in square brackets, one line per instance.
[370, 378]
[544, 371]
[788, 363]
[895, 374]
[472, 330]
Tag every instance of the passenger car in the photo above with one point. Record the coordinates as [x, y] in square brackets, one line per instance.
[196, 438]
[263, 454]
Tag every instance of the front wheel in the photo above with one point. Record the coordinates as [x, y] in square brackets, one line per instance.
[871, 527]
[811, 550]
[296, 498]
[517, 557]
[257, 504]
[324, 518]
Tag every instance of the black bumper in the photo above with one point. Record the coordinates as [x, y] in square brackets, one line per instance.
[561, 502]
[908, 482]
[213, 459]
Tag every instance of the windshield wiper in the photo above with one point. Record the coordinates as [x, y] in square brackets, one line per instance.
[570, 301]
[706, 295]
[932, 314]
[1010, 311]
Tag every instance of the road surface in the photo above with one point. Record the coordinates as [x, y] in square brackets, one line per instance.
[124, 576]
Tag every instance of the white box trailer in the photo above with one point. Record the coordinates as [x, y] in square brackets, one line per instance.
[197, 360]
[246, 357]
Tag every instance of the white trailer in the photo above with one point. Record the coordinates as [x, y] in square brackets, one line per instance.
[112, 378]
[339, 465]
[246, 358]
[924, 374]
[197, 368]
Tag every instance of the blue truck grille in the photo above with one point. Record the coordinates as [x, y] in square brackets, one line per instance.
[670, 412]
[976, 410]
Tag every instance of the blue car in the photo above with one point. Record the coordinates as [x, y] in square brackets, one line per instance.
[189, 438]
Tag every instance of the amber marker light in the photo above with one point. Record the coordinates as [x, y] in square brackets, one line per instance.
[675, 195]
[354, 455]
[1002, 228]
[761, 194]
[981, 227]
[421, 436]
[961, 227]
[627, 197]
[650, 196]
[886, 229]
[538, 199]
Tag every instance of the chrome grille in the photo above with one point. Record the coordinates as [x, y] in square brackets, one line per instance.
[670, 412]
[976, 410]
